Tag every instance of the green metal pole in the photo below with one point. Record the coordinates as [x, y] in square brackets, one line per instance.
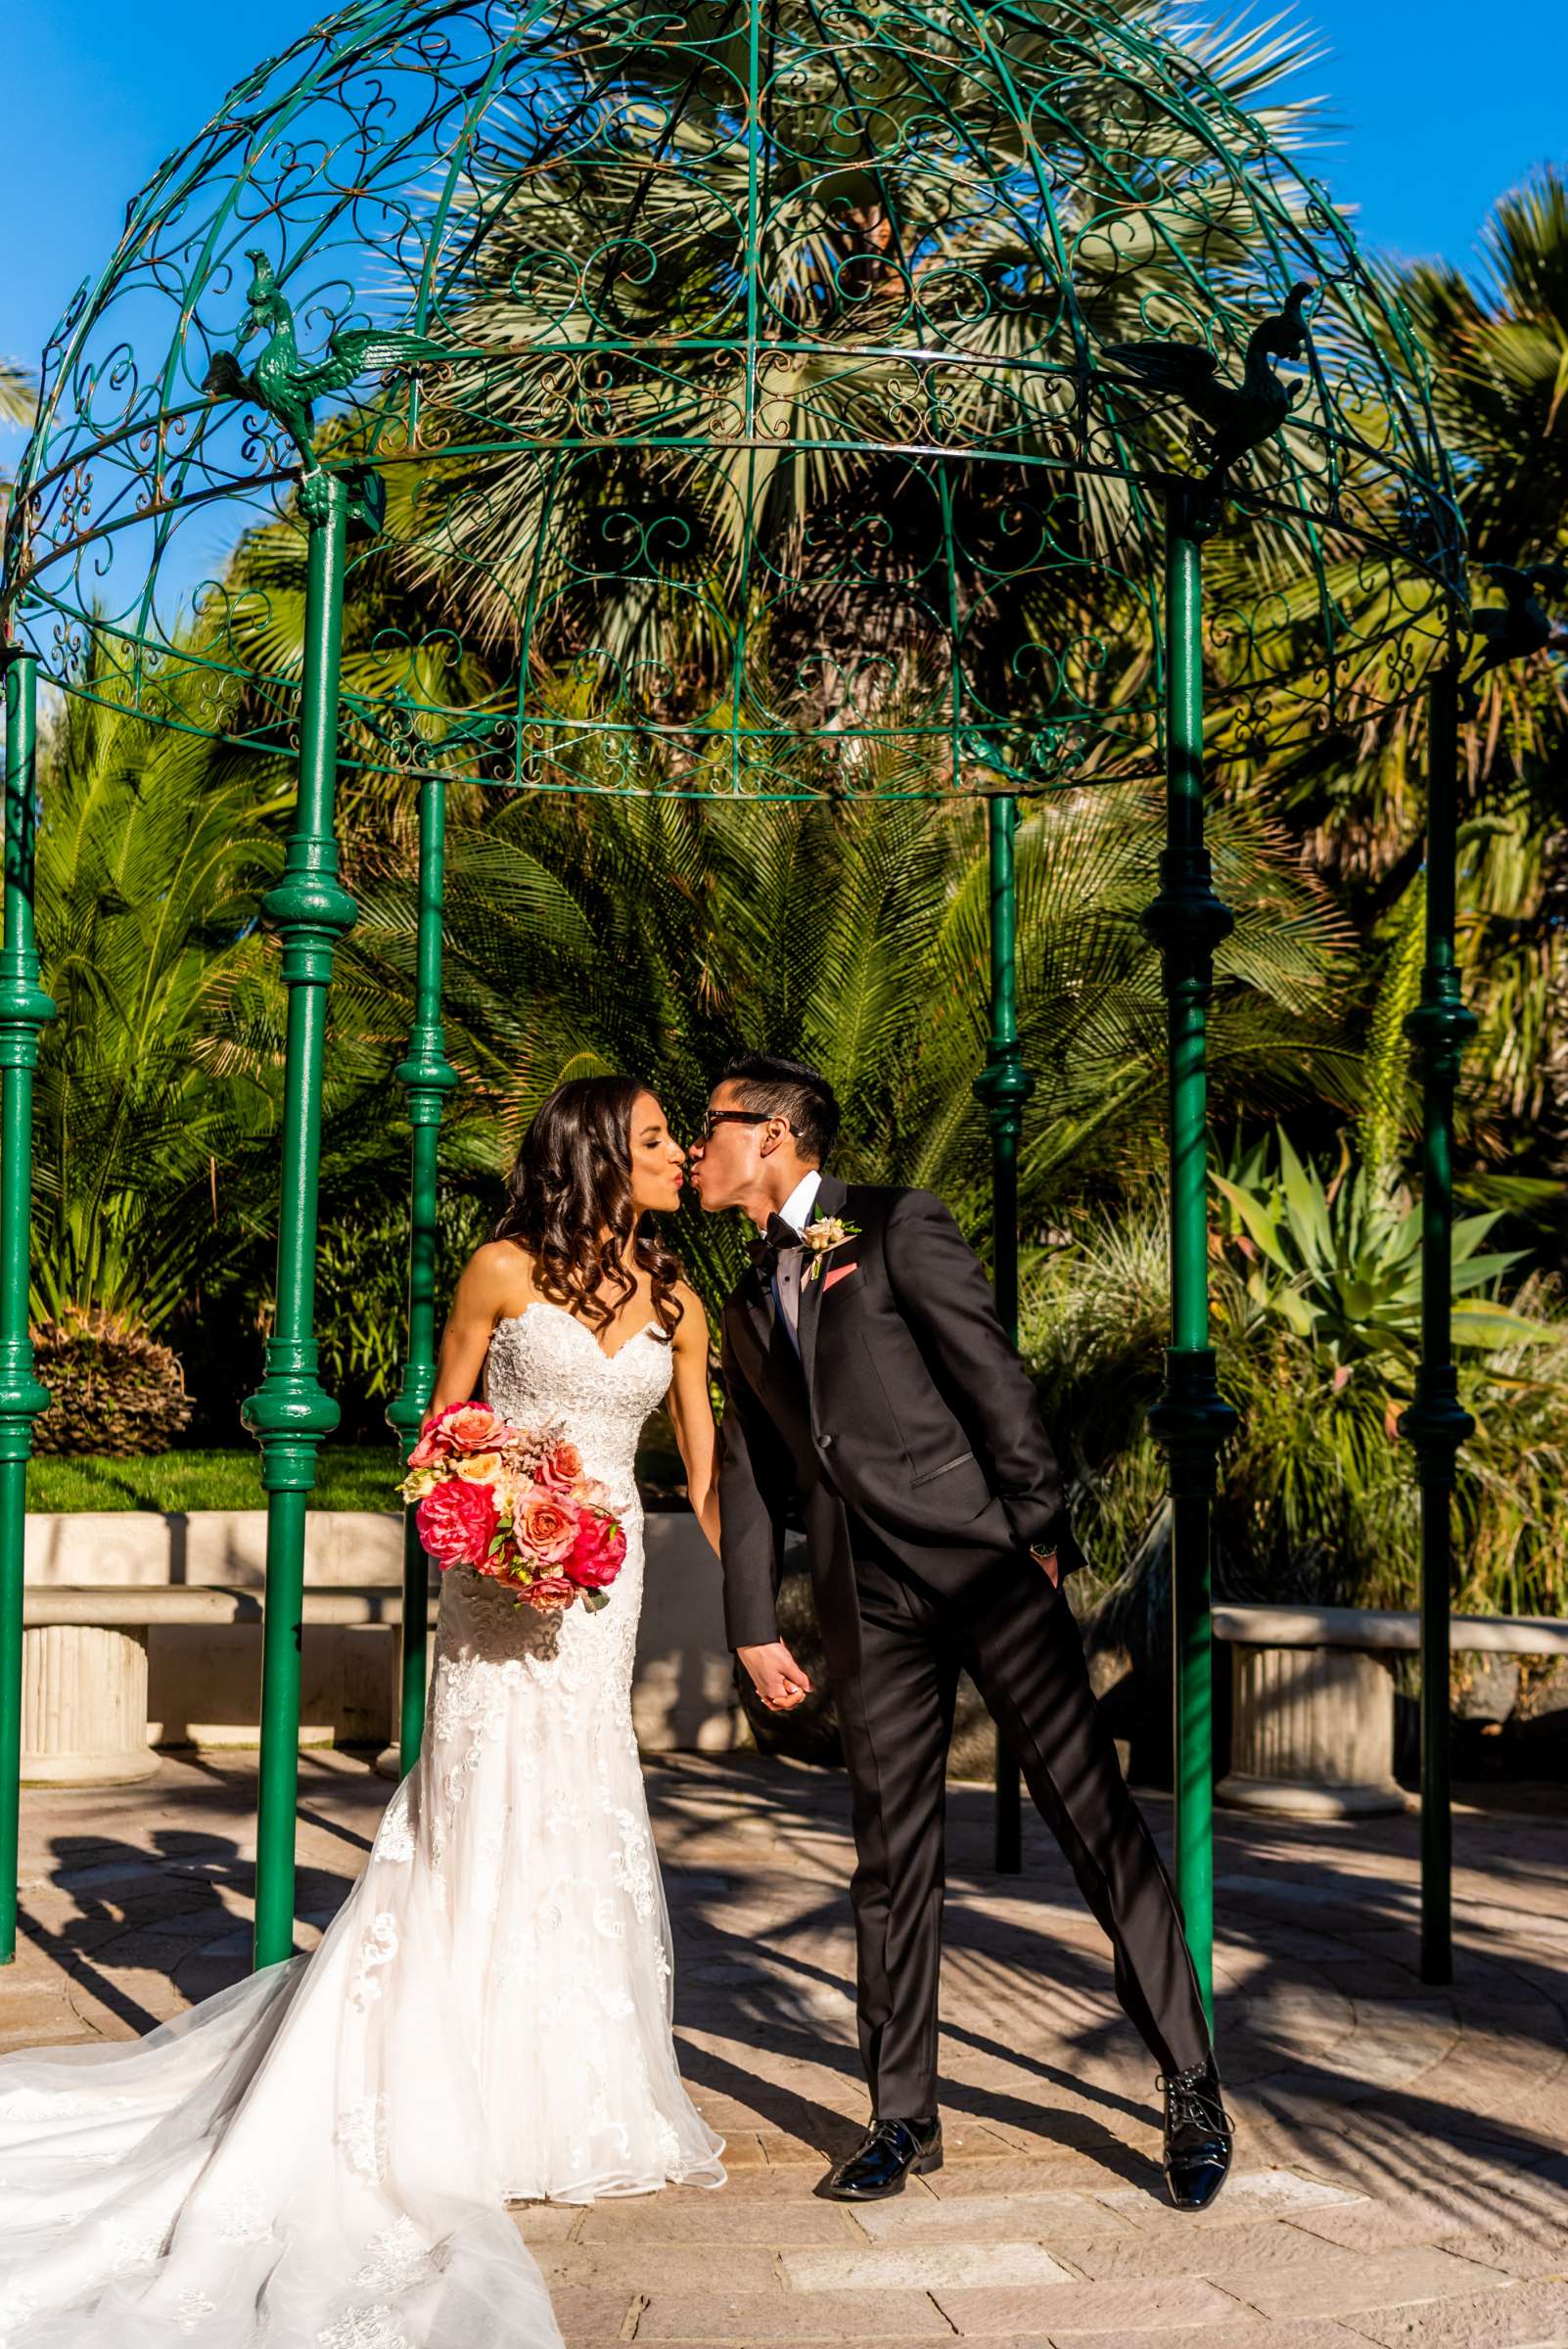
[1186, 922]
[1437, 1423]
[1004, 1087]
[290, 1413]
[428, 1076]
[25, 1008]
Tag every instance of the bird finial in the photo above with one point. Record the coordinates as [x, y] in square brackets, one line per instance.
[1285, 334]
[286, 387]
[1238, 416]
[1520, 624]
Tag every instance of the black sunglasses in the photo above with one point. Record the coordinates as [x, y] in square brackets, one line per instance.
[736, 1117]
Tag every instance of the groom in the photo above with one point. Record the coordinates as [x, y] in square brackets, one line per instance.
[866, 1368]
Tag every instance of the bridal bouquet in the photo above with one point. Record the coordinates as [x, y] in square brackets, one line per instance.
[513, 1502]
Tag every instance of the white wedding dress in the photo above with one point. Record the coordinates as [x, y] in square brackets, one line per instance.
[320, 2156]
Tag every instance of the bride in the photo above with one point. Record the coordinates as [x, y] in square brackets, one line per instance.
[320, 2157]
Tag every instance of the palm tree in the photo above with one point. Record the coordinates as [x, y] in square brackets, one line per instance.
[157, 1078]
[17, 396]
[18, 406]
[742, 575]
[1498, 343]
[660, 936]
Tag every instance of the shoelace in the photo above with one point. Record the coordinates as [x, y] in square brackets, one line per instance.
[896, 2135]
[1191, 2104]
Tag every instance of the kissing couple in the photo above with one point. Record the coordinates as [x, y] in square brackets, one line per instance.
[321, 2156]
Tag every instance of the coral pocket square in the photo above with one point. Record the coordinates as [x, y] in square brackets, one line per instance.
[839, 1272]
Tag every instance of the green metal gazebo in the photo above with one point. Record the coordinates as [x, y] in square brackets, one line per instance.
[755, 398]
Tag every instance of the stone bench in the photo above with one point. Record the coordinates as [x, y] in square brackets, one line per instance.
[144, 1630]
[1312, 1711]
[85, 1712]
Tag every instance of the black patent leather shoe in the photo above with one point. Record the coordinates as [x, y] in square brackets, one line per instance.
[1198, 2135]
[883, 2160]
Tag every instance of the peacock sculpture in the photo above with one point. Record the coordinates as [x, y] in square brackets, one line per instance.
[1238, 416]
[288, 387]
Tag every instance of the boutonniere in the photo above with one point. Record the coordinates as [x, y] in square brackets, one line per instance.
[823, 1236]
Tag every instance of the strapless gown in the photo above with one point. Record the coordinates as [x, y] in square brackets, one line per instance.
[320, 2156]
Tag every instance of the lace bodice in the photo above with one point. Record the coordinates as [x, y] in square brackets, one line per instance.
[544, 1367]
[543, 1364]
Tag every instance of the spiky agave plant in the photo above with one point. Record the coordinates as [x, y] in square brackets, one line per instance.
[1313, 1327]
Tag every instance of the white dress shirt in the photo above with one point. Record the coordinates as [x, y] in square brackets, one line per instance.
[796, 1209]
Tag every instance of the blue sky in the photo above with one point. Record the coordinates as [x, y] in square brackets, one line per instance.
[1433, 118]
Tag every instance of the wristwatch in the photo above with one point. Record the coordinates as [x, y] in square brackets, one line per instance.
[1047, 1560]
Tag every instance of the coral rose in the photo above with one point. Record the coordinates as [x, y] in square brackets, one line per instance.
[461, 1427]
[561, 1469]
[598, 1552]
[550, 1593]
[472, 1427]
[544, 1525]
[455, 1522]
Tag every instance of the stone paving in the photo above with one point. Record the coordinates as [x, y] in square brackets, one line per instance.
[1400, 2177]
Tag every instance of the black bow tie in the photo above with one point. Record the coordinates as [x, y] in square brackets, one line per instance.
[766, 1251]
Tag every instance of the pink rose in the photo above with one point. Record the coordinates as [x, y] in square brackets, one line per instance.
[561, 1469]
[598, 1552]
[543, 1525]
[550, 1593]
[461, 1427]
[455, 1522]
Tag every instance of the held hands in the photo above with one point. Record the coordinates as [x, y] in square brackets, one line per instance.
[779, 1680]
[782, 1684]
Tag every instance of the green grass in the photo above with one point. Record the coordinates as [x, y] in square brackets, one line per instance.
[348, 1475]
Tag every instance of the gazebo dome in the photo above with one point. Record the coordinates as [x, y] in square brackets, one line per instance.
[766, 422]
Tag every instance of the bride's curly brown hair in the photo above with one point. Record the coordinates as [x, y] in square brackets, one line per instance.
[569, 1204]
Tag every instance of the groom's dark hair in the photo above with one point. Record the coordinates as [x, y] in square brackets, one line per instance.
[788, 1089]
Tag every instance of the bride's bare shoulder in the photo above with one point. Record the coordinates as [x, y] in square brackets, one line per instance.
[498, 1275]
[691, 1330]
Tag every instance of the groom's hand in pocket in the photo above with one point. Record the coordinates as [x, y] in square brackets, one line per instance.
[778, 1680]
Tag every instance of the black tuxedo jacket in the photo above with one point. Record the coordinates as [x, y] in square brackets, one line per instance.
[905, 1404]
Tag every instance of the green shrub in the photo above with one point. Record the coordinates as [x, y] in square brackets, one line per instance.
[113, 1389]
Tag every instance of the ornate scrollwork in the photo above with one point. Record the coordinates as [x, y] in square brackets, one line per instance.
[766, 401]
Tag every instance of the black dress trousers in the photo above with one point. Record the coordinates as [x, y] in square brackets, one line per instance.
[1016, 1636]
